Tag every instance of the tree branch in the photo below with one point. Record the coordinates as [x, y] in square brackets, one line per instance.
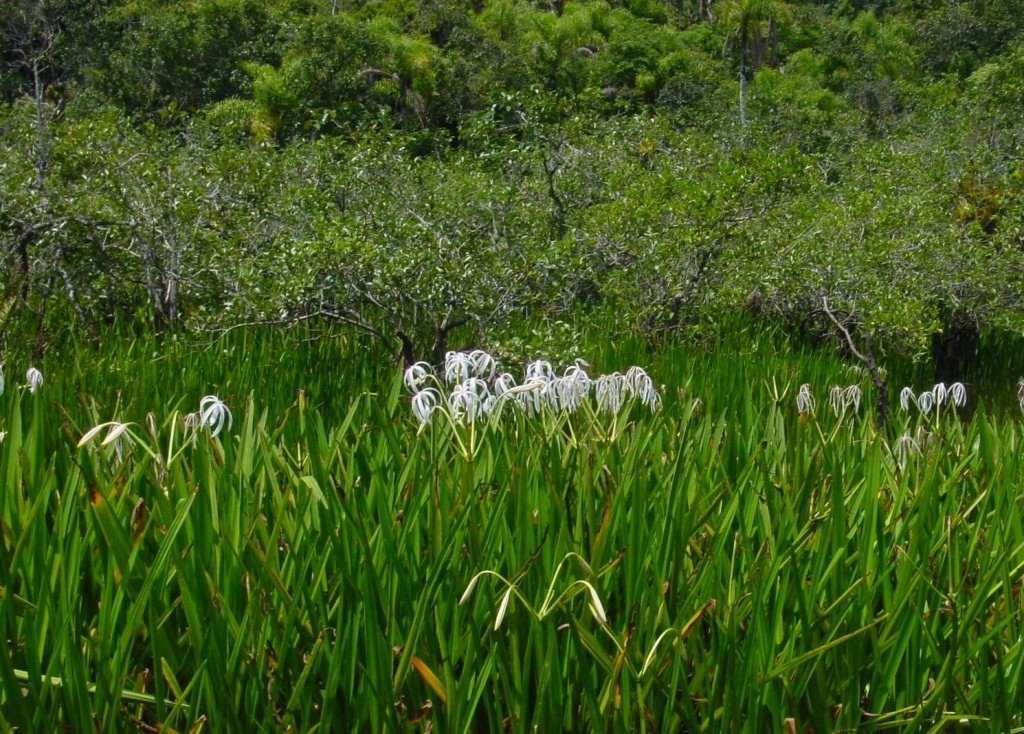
[868, 358]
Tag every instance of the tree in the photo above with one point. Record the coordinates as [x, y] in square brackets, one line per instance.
[753, 24]
[159, 60]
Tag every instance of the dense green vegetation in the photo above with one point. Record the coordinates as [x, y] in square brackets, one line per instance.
[741, 558]
[412, 167]
[784, 211]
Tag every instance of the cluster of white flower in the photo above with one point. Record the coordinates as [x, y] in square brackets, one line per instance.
[477, 390]
[841, 398]
[939, 395]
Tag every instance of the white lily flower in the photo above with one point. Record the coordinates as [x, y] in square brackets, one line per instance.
[907, 397]
[640, 385]
[468, 399]
[213, 414]
[424, 403]
[957, 394]
[925, 402]
[851, 396]
[460, 366]
[557, 396]
[841, 398]
[416, 375]
[456, 367]
[484, 365]
[835, 399]
[804, 399]
[114, 429]
[193, 421]
[530, 397]
[504, 383]
[34, 378]
[551, 393]
[539, 371]
[905, 448]
[477, 385]
[571, 389]
[939, 393]
[117, 434]
[608, 391]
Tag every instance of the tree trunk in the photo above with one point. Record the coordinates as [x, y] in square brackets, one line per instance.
[955, 349]
[743, 94]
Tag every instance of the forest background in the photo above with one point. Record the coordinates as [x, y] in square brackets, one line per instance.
[718, 524]
[418, 169]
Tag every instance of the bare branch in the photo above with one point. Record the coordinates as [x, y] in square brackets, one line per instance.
[868, 358]
[846, 334]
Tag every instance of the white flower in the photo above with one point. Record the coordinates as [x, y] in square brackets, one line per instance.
[851, 396]
[925, 401]
[416, 375]
[504, 383]
[213, 413]
[957, 394]
[905, 448]
[484, 365]
[571, 389]
[539, 371]
[117, 434]
[530, 397]
[835, 399]
[460, 366]
[34, 378]
[423, 404]
[468, 400]
[939, 393]
[804, 398]
[456, 367]
[193, 422]
[841, 398]
[640, 385]
[114, 430]
[608, 391]
[907, 397]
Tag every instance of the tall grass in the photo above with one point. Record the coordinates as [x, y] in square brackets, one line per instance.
[728, 563]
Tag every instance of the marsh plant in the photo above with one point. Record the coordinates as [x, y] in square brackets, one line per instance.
[33, 379]
[473, 391]
[940, 395]
[842, 399]
[313, 558]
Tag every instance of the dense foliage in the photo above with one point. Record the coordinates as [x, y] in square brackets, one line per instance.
[265, 199]
[418, 169]
[752, 555]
